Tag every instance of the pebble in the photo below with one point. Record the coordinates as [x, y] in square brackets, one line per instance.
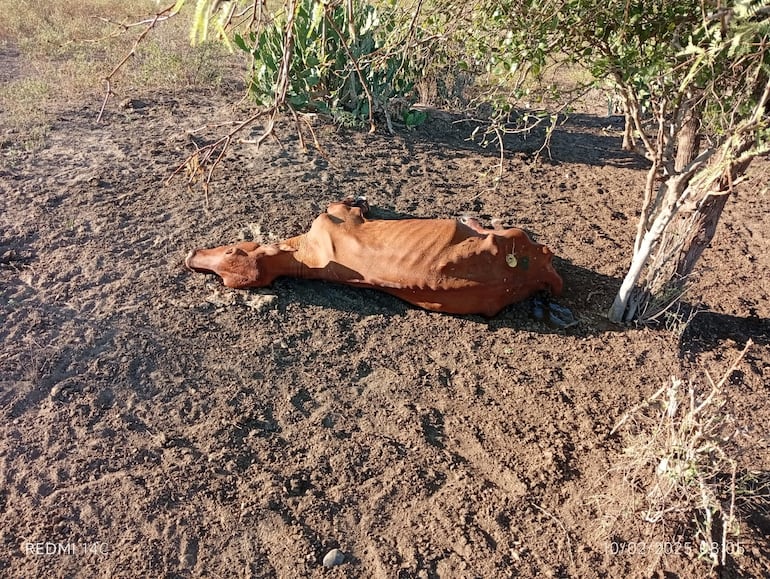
[333, 558]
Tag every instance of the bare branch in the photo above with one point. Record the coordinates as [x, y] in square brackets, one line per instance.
[203, 156]
[164, 14]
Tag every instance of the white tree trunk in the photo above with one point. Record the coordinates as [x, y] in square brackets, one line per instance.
[677, 193]
[620, 311]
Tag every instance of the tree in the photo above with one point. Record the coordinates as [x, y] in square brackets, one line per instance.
[720, 89]
[689, 72]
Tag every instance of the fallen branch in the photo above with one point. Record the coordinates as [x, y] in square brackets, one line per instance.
[197, 162]
[202, 157]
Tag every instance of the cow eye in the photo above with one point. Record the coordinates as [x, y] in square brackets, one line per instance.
[229, 251]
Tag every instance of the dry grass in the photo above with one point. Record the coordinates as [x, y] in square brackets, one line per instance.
[53, 28]
[63, 51]
[67, 44]
[681, 467]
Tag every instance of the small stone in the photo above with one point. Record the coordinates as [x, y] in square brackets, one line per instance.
[260, 302]
[133, 104]
[162, 439]
[333, 558]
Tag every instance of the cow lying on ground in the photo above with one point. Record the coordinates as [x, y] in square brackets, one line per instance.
[443, 265]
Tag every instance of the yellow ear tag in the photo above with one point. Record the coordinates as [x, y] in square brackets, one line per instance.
[511, 260]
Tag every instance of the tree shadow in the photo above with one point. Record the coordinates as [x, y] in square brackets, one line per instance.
[593, 140]
[578, 138]
[754, 501]
[752, 508]
[708, 329]
[587, 293]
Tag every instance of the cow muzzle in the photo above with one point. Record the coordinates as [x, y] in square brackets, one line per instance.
[195, 261]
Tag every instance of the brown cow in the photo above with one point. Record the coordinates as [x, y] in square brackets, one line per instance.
[443, 265]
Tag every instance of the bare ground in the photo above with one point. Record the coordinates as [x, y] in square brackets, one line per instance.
[156, 424]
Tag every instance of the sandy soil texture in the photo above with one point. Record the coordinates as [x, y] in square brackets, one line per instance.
[156, 424]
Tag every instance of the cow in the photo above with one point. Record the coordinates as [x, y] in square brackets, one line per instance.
[444, 265]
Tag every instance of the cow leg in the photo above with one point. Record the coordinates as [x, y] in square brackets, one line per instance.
[350, 208]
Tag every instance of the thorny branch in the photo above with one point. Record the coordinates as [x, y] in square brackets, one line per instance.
[500, 127]
[150, 24]
[206, 159]
[202, 157]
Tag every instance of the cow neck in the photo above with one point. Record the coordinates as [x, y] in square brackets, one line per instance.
[288, 263]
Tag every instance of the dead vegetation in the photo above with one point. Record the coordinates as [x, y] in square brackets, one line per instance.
[681, 467]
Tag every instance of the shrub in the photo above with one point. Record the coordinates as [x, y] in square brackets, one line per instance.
[337, 64]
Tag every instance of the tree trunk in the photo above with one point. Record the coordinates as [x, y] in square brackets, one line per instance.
[672, 195]
[685, 238]
[698, 229]
[629, 143]
[666, 271]
[685, 224]
[688, 139]
[689, 233]
[680, 247]
[687, 209]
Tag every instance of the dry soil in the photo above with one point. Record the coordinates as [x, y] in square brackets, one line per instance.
[156, 424]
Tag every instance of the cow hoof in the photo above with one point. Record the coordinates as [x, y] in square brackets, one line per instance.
[544, 309]
[359, 202]
[539, 308]
[189, 257]
[560, 316]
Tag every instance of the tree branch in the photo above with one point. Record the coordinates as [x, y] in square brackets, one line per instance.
[164, 14]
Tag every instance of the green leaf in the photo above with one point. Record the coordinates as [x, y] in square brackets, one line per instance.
[241, 43]
[298, 100]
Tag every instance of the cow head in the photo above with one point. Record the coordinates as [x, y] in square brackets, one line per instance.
[240, 265]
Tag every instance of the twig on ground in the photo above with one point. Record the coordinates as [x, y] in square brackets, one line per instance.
[214, 152]
[732, 368]
[642, 405]
[563, 528]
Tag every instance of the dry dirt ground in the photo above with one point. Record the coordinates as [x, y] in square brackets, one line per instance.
[156, 424]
